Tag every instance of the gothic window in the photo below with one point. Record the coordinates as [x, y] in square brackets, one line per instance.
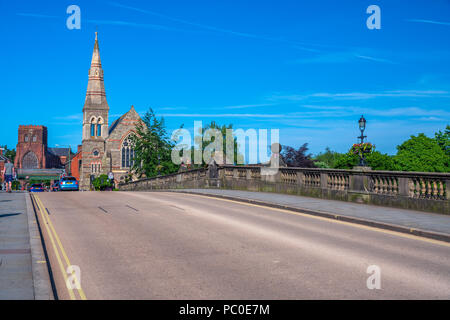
[34, 138]
[127, 153]
[96, 167]
[96, 153]
[99, 130]
[93, 126]
[30, 161]
[26, 138]
[92, 130]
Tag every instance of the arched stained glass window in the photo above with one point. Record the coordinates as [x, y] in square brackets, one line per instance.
[127, 153]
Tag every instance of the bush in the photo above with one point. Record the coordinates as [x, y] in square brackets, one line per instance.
[421, 153]
[101, 183]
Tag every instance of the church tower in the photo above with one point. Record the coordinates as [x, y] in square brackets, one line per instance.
[95, 122]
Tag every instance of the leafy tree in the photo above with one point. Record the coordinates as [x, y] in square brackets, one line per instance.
[152, 147]
[443, 139]
[297, 158]
[421, 153]
[237, 157]
[346, 161]
[326, 159]
[380, 161]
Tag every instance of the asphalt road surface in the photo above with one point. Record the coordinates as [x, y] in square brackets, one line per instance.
[163, 245]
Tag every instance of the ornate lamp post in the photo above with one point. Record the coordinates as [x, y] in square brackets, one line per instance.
[362, 127]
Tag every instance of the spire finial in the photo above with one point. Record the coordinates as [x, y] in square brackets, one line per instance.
[95, 35]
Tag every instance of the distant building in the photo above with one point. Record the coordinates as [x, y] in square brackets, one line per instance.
[76, 163]
[32, 151]
[105, 148]
[34, 159]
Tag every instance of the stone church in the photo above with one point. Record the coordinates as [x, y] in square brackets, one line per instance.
[105, 148]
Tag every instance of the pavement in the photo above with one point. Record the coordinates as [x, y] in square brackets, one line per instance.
[421, 223]
[166, 245]
[23, 270]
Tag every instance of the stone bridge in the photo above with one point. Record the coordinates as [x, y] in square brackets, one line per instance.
[408, 190]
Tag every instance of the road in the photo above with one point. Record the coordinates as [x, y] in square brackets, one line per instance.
[163, 245]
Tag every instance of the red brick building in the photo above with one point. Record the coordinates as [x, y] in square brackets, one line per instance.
[75, 163]
[32, 151]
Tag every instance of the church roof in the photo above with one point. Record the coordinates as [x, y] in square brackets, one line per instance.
[60, 152]
[117, 121]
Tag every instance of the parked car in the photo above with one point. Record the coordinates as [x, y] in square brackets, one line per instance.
[55, 186]
[68, 183]
[37, 187]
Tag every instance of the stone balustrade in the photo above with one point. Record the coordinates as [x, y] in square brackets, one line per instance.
[409, 190]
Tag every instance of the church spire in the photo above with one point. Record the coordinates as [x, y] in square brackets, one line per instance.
[95, 95]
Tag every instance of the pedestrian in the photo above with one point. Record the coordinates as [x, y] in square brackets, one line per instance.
[8, 172]
[111, 180]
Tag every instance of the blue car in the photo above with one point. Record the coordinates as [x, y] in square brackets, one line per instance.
[68, 183]
[37, 187]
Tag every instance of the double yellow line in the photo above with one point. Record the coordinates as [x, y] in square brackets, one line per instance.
[59, 250]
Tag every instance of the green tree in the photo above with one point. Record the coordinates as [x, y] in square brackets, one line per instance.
[421, 153]
[152, 147]
[346, 161]
[237, 157]
[443, 139]
[380, 161]
[326, 159]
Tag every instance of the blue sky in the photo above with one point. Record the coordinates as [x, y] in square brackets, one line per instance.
[309, 68]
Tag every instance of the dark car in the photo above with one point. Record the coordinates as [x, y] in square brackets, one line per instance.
[37, 187]
[68, 183]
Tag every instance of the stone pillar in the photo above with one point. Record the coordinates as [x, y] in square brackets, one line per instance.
[323, 180]
[403, 186]
[447, 189]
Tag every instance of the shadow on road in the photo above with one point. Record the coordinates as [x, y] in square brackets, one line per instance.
[9, 214]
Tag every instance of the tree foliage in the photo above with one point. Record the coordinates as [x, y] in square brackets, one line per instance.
[102, 182]
[326, 159]
[237, 157]
[421, 153]
[152, 147]
[443, 139]
[297, 157]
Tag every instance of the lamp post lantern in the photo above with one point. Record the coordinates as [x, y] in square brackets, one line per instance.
[362, 126]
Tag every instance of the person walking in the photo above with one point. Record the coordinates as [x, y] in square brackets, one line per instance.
[8, 173]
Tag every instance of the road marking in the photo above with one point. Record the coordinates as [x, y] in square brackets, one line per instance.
[58, 258]
[49, 224]
[131, 207]
[356, 225]
[103, 210]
